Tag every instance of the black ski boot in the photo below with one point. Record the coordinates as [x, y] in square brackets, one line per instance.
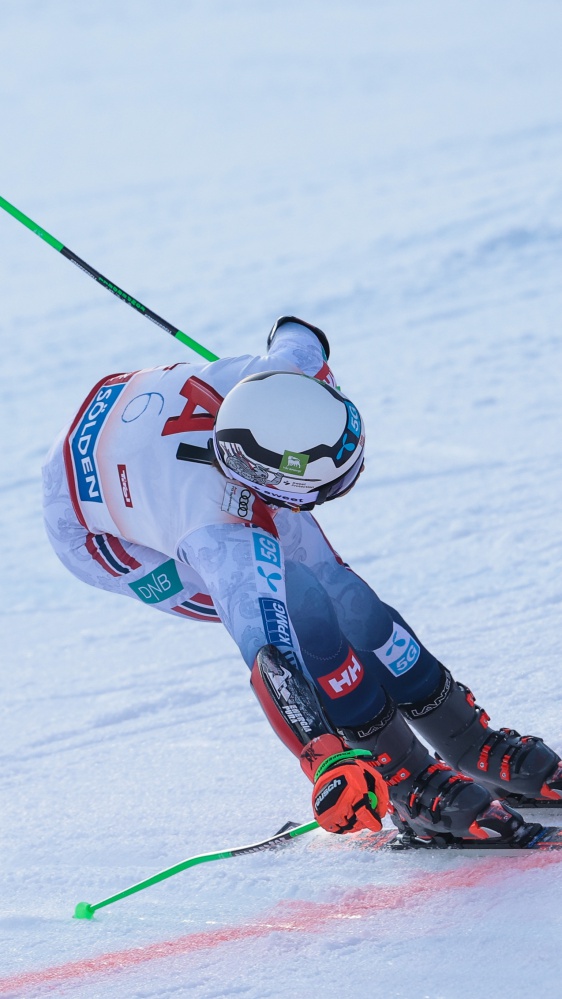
[519, 769]
[430, 800]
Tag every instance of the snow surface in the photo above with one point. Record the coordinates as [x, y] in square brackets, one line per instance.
[390, 171]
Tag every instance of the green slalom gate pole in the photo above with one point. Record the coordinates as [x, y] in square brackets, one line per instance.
[113, 288]
[85, 910]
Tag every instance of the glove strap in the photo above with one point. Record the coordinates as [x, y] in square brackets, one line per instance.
[349, 754]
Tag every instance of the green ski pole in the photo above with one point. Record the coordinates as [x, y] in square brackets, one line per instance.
[86, 911]
[113, 288]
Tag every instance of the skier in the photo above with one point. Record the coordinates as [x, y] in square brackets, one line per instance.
[190, 488]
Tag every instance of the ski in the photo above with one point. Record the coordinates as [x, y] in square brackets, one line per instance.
[532, 836]
[521, 803]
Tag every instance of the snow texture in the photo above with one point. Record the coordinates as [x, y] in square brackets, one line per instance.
[389, 171]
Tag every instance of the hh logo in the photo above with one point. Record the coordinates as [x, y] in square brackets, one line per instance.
[122, 469]
[344, 679]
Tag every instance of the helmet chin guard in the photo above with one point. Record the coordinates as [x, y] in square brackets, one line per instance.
[295, 441]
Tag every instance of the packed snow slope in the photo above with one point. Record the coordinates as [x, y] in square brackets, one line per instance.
[390, 171]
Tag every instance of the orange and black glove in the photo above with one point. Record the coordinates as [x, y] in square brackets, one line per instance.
[349, 793]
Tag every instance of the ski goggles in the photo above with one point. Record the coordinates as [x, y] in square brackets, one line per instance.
[339, 487]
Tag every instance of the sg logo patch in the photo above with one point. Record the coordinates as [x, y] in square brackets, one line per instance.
[400, 653]
[267, 560]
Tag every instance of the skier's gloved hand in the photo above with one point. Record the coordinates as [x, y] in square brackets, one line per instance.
[319, 334]
[349, 793]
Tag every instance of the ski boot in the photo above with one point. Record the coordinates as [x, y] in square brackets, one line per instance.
[521, 770]
[428, 799]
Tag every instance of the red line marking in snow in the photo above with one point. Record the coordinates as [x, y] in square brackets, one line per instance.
[286, 917]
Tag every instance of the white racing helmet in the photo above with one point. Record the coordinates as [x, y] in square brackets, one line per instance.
[294, 440]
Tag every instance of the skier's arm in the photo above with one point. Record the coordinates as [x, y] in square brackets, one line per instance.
[243, 570]
[295, 342]
[348, 792]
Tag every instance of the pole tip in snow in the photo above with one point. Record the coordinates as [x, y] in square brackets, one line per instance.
[83, 911]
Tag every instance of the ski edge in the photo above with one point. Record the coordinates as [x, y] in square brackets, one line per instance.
[539, 838]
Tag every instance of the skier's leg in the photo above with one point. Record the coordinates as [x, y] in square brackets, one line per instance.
[440, 710]
[377, 632]
[347, 685]
[428, 797]
[111, 563]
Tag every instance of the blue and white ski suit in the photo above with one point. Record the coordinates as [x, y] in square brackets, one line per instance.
[125, 513]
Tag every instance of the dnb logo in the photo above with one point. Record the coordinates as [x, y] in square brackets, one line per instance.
[85, 439]
[267, 559]
[344, 679]
[164, 582]
[400, 653]
[276, 622]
